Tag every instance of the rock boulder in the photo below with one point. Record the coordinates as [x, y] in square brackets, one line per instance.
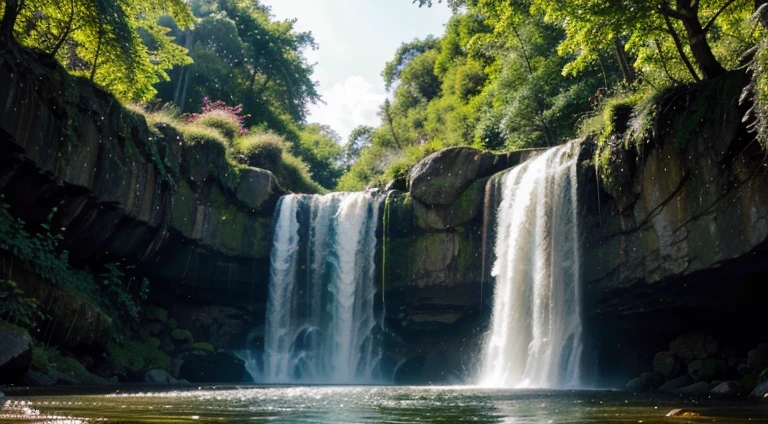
[693, 346]
[15, 352]
[440, 178]
[667, 364]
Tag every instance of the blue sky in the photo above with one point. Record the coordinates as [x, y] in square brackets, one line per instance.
[356, 38]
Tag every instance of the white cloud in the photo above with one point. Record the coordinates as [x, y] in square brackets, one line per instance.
[347, 105]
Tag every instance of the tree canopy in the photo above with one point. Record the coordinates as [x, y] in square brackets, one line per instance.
[527, 73]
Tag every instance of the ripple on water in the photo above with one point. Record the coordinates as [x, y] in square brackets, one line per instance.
[360, 405]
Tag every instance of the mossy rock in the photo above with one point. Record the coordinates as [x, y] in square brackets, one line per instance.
[40, 361]
[179, 335]
[172, 324]
[71, 367]
[135, 357]
[156, 313]
[202, 347]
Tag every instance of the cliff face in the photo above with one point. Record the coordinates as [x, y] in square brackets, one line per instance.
[682, 245]
[71, 155]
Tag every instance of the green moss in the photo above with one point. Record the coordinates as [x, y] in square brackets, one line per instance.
[261, 150]
[296, 176]
[155, 313]
[199, 134]
[172, 324]
[40, 360]
[137, 356]
[14, 328]
[71, 366]
[262, 239]
[180, 335]
[202, 347]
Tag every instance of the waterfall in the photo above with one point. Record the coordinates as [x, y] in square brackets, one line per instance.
[535, 334]
[320, 312]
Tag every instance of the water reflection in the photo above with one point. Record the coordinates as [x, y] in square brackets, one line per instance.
[360, 405]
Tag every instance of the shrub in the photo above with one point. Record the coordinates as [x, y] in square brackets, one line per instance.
[226, 123]
[137, 356]
[296, 176]
[229, 120]
[262, 150]
[111, 290]
[71, 366]
[180, 335]
[200, 134]
[40, 360]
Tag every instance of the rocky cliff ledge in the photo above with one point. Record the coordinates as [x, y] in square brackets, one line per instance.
[71, 156]
[677, 244]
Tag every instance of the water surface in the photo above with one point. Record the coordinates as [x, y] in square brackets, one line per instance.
[367, 404]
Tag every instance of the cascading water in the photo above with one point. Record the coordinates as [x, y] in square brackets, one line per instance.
[320, 313]
[535, 334]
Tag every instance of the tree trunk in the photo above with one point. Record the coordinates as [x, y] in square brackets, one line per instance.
[763, 17]
[697, 40]
[391, 123]
[680, 50]
[96, 56]
[621, 57]
[10, 14]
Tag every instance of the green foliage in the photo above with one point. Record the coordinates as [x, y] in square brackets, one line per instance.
[243, 56]
[111, 289]
[155, 313]
[137, 356]
[226, 121]
[757, 90]
[40, 360]
[405, 53]
[70, 366]
[319, 147]
[297, 176]
[180, 335]
[201, 134]
[261, 150]
[202, 347]
[15, 307]
[118, 45]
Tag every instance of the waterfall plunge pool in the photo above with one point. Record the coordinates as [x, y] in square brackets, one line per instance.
[365, 404]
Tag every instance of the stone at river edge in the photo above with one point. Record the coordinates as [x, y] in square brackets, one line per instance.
[159, 377]
[694, 389]
[675, 384]
[757, 359]
[15, 352]
[36, 379]
[760, 392]
[693, 346]
[727, 388]
[667, 364]
[441, 177]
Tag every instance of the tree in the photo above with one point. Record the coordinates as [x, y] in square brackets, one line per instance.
[404, 55]
[243, 56]
[320, 147]
[360, 138]
[117, 44]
